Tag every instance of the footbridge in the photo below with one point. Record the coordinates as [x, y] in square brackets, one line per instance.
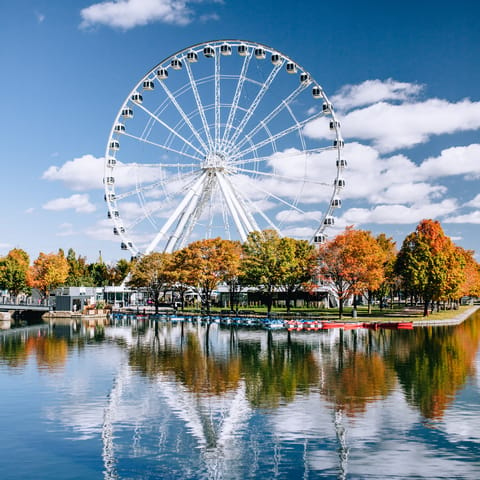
[21, 307]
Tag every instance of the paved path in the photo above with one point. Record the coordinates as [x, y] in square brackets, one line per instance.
[461, 317]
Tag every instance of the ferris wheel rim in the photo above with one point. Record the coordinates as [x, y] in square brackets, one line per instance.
[231, 195]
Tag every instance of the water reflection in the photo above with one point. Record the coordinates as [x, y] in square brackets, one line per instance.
[195, 400]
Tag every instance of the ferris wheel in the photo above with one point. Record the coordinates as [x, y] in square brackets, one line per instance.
[220, 139]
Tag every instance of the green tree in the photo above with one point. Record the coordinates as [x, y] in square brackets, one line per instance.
[119, 272]
[260, 263]
[13, 272]
[78, 274]
[297, 263]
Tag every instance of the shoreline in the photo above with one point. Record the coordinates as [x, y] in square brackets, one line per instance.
[457, 320]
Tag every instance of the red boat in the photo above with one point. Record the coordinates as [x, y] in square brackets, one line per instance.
[351, 326]
[390, 325]
[332, 325]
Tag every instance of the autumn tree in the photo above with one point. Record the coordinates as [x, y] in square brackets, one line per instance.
[206, 263]
[152, 272]
[390, 279]
[425, 262]
[13, 272]
[352, 263]
[470, 286]
[49, 271]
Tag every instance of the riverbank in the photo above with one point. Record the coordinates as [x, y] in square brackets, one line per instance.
[456, 320]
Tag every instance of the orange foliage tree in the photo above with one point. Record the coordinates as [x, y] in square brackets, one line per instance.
[470, 286]
[49, 271]
[352, 262]
[206, 263]
[428, 264]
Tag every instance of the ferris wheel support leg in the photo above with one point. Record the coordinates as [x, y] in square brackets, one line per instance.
[241, 219]
[178, 211]
[185, 217]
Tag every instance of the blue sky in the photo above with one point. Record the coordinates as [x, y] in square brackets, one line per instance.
[404, 79]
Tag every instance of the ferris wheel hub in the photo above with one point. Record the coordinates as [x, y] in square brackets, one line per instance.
[215, 160]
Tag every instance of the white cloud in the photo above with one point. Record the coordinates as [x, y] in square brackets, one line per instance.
[391, 127]
[127, 14]
[83, 173]
[87, 172]
[79, 202]
[473, 217]
[373, 91]
[399, 214]
[475, 202]
[30, 210]
[453, 161]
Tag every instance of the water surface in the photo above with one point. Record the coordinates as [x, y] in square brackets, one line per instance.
[197, 401]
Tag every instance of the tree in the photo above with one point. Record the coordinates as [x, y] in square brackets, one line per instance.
[298, 260]
[78, 274]
[206, 263]
[48, 272]
[425, 262]
[13, 272]
[470, 286]
[353, 263]
[119, 272]
[387, 287]
[260, 263]
[153, 272]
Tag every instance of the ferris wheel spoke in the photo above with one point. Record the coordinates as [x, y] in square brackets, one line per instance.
[238, 90]
[198, 101]
[283, 177]
[273, 138]
[217, 99]
[258, 160]
[276, 197]
[170, 129]
[182, 113]
[162, 146]
[283, 104]
[160, 183]
[248, 115]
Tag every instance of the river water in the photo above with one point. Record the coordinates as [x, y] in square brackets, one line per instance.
[197, 401]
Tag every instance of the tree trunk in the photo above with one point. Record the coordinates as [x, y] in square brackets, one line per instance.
[425, 307]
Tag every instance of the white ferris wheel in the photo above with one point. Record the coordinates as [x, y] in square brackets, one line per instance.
[220, 139]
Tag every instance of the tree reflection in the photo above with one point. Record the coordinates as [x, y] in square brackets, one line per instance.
[279, 374]
[51, 352]
[357, 379]
[271, 375]
[434, 363]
